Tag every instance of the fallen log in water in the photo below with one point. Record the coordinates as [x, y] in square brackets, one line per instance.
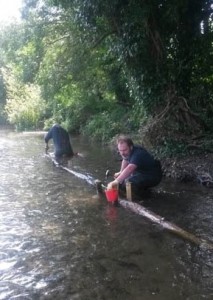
[138, 209]
[88, 178]
[148, 214]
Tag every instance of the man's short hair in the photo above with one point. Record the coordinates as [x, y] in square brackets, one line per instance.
[125, 139]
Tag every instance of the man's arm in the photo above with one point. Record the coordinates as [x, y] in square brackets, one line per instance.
[47, 137]
[46, 147]
[124, 164]
[123, 175]
[126, 172]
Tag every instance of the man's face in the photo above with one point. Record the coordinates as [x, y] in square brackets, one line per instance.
[124, 150]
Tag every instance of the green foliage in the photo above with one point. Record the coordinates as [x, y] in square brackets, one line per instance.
[174, 148]
[158, 42]
[3, 117]
[171, 148]
[121, 63]
[105, 126]
[2, 100]
[24, 107]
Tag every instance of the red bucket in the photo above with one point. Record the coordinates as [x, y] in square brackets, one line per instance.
[111, 195]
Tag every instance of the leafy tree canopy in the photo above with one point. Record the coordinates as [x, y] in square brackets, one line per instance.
[149, 60]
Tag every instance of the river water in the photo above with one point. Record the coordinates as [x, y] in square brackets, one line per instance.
[59, 241]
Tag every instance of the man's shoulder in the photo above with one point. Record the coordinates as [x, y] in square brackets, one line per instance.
[140, 152]
[139, 148]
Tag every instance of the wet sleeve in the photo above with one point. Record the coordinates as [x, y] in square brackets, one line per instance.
[48, 136]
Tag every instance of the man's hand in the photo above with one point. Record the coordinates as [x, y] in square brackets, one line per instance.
[113, 184]
[117, 174]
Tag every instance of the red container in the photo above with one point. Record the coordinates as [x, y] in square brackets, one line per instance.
[111, 195]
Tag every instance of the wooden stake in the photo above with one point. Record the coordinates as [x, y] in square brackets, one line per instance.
[99, 186]
[129, 191]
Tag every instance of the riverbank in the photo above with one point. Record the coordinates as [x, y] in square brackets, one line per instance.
[196, 168]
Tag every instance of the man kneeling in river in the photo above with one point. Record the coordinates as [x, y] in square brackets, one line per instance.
[61, 140]
[138, 167]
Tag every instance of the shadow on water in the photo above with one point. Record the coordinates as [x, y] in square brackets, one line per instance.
[58, 240]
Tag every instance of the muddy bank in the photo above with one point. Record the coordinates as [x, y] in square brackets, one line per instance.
[197, 169]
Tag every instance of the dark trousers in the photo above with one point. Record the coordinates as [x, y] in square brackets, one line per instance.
[142, 182]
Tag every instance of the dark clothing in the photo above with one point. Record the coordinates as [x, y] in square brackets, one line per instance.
[148, 172]
[61, 141]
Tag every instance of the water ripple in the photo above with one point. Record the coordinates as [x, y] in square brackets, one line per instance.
[58, 241]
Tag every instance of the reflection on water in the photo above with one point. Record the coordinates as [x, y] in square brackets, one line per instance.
[59, 241]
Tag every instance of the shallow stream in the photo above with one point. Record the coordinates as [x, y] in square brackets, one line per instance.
[59, 241]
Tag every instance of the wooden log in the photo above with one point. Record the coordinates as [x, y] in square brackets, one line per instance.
[139, 209]
[88, 178]
[153, 217]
